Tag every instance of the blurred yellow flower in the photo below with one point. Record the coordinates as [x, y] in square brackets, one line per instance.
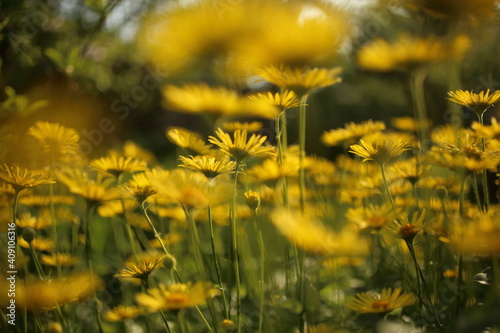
[201, 98]
[116, 166]
[47, 295]
[55, 138]
[487, 131]
[39, 243]
[373, 217]
[177, 296]
[285, 100]
[409, 124]
[116, 207]
[272, 170]
[293, 34]
[351, 133]
[139, 187]
[478, 236]
[191, 142]
[309, 234]
[131, 149]
[59, 259]
[35, 222]
[409, 52]
[122, 313]
[387, 301]
[241, 148]
[254, 126]
[476, 102]
[92, 190]
[300, 80]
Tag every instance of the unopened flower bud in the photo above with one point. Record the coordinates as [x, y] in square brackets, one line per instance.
[29, 234]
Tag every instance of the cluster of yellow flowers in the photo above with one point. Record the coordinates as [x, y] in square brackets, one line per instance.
[255, 221]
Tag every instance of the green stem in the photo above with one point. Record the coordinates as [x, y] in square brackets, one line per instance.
[55, 234]
[386, 185]
[234, 241]
[486, 194]
[216, 262]
[262, 271]
[38, 266]
[476, 192]
[302, 150]
[281, 143]
[462, 196]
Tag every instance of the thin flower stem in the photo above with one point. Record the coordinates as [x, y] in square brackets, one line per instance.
[462, 196]
[386, 185]
[476, 192]
[38, 266]
[195, 243]
[234, 241]
[128, 229]
[262, 271]
[486, 194]
[216, 262]
[302, 149]
[281, 143]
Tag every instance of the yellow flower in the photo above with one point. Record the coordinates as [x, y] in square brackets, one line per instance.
[176, 296]
[389, 300]
[190, 189]
[252, 199]
[122, 313]
[39, 243]
[116, 207]
[478, 236]
[410, 52]
[62, 259]
[35, 222]
[487, 131]
[240, 148]
[167, 239]
[92, 190]
[211, 167]
[116, 166]
[140, 188]
[301, 80]
[21, 179]
[285, 100]
[302, 34]
[190, 142]
[47, 295]
[201, 98]
[476, 102]
[309, 234]
[371, 216]
[409, 124]
[411, 169]
[351, 133]
[193, 35]
[44, 200]
[130, 149]
[272, 170]
[54, 138]
[254, 126]
[379, 150]
[408, 229]
[145, 265]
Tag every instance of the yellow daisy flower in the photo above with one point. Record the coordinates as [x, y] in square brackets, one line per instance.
[39, 243]
[478, 236]
[371, 216]
[285, 100]
[254, 126]
[189, 141]
[487, 131]
[406, 228]
[201, 98]
[309, 234]
[21, 179]
[35, 222]
[46, 295]
[409, 52]
[139, 187]
[387, 301]
[300, 80]
[176, 296]
[62, 259]
[411, 169]
[116, 166]
[131, 149]
[240, 148]
[145, 265]
[122, 313]
[409, 124]
[92, 190]
[272, 170]
[379, 150]
[478, 103]
[55, 138]
[116, 207]
[351, 133]
[211, 167]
